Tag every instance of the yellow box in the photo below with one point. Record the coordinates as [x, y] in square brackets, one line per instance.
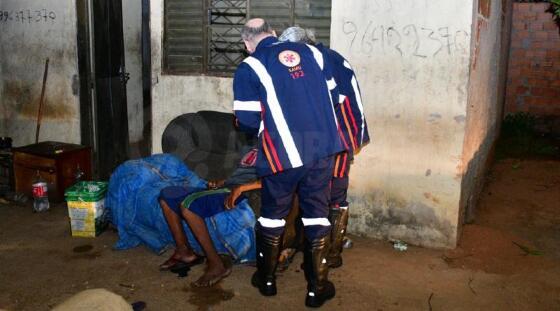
[87, 219]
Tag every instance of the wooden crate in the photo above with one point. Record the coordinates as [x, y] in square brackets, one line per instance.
[57, 164]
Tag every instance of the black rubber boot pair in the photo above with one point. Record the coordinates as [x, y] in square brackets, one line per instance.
[319, 288]
[268, 251]
[338, 217]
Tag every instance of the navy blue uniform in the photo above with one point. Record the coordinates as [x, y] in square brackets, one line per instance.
[351, 119]
[283, 93]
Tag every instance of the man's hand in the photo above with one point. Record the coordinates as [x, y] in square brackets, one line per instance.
[229, 202]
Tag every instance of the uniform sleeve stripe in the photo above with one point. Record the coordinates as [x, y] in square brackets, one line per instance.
[341, 98]
[360, 105]
[315, 222]
[318, 56]
[354, 146]
[332, 109]
[239, 105]
[331, 84]
[276, 111]
[347, 65]
[320, 61]
[351, 113]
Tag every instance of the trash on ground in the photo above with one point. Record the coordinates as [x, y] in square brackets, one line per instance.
[400, 245]
[528, 251]
[138, 305]
[347, 243]
[129, 286]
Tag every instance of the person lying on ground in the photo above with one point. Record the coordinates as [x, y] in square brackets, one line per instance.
[195, 208]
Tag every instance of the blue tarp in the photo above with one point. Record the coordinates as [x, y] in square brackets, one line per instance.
[132, 202]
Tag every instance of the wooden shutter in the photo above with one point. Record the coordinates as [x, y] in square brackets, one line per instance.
[314, 14]
[202, 36]
[278, 13]
[183, 42]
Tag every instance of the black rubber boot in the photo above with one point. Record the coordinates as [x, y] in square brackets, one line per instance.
[319, 288]
[268, 250]
[338, 218]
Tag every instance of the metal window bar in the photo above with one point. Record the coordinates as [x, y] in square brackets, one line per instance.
[204, 36]
[225, 47]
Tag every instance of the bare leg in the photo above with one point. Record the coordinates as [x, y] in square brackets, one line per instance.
[182, 251]
[215, 270]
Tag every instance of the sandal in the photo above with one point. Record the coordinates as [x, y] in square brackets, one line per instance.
[178, 264]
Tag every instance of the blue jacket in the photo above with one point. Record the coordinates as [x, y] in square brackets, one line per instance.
[283, 92]
[350, 110]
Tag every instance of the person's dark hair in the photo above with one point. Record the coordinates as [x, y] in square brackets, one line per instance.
[248, 33]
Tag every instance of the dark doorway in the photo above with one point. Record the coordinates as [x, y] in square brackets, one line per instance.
[103, 83]
[146, 78]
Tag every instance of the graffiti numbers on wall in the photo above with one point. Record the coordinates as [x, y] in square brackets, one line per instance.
[27, 16]
[408, 41]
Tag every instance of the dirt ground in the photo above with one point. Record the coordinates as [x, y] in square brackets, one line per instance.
[509, 259]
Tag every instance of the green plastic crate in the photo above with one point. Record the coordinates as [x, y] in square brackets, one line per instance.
[86, 191]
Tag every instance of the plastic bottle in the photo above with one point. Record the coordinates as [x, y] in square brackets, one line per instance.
[78, 175]
[40, 194]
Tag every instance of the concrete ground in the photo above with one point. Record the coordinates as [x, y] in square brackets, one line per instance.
[509, 259]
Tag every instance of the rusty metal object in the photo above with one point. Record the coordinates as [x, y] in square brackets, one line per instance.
[40, 112]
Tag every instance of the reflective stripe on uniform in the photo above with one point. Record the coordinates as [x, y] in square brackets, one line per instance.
[318, 56]
[315, 222]
[360, 106]
[272, 223]
[331, 84]
[358, 99]
[239, 105]
[261, 127]
[276, 111]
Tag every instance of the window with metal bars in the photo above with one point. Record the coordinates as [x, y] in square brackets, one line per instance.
[204, 36]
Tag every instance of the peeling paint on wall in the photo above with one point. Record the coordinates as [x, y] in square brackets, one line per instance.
[43, 30]
[381, 215]
[486, 89]
[132, 31]
[412, 62]
[23, 97]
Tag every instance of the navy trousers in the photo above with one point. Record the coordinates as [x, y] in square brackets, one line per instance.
[311, 183]
[339, 186]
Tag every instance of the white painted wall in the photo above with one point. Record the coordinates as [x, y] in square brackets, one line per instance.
[132, 31]
[486, 92]
[412, 59]
[175, 95]
[412, 62]
[33, 31]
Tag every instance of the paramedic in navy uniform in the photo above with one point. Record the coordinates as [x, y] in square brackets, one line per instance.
[354, 133]
[283, 93]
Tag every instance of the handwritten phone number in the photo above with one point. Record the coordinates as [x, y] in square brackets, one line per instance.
[27, 16]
